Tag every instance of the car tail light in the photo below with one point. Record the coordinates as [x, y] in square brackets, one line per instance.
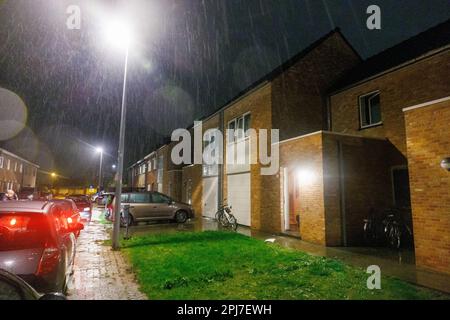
[50, 259]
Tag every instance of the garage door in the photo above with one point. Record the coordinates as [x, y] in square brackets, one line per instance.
[239, 197]
[209, 196]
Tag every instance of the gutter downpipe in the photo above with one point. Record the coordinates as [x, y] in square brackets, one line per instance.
[220, 165]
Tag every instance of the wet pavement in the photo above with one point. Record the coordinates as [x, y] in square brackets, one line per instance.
[99, 272]
[400, 264]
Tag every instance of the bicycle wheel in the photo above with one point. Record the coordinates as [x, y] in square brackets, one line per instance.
[223, 220]
[232, 222]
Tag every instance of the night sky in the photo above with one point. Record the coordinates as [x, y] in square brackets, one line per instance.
[189, 57]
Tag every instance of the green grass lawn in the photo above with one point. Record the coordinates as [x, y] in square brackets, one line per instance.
[223, 265]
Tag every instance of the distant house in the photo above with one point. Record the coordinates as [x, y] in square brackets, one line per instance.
[16, 172]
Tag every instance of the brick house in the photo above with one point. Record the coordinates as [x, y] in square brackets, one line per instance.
[156, 172]
[282, 99]
[369, 102]
[15, 172]
[345, 147]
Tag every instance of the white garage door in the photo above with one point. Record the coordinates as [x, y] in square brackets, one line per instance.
[239, 197]
[210, 196]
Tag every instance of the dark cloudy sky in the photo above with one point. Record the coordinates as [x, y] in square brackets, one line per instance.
[190, 56]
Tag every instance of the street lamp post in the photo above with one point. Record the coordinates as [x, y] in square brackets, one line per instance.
[119, 175]
[100, 173]
[117, 32]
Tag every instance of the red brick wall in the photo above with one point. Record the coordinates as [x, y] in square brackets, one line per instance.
[422, 81]
[298, 99]
[428, 141]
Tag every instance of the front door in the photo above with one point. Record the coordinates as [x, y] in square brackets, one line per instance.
[292, 201]
[210, 196]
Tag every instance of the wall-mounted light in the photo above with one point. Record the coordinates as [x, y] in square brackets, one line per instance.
[445, 164]
[306, 176]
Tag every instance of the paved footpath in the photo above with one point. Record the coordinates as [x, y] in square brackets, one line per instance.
[99, 272]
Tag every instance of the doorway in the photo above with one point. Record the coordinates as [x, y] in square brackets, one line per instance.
[291, 190]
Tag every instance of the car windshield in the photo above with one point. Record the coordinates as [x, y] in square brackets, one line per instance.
[23, 231]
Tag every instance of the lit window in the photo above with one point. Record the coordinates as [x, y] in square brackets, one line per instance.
[1, 162]
[370, 111]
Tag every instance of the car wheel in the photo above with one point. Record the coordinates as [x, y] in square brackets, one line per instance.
[181, 216]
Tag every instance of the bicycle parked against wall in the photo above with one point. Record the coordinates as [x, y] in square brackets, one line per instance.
[392, 230]
[225, 218]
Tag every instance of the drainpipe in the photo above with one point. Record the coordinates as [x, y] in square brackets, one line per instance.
[220, 166]
[342, 194]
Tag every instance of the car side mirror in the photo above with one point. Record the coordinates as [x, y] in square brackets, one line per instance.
[53, 296]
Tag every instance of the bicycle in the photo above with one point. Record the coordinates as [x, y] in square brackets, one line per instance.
[225, 218]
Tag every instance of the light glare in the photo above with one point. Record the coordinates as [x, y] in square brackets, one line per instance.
[117, 33]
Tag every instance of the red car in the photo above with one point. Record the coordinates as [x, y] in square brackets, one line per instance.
[70, 211]
[84, 205]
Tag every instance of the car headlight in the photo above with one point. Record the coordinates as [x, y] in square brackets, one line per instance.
[87, 209]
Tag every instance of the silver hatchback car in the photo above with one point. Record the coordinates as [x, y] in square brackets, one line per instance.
[148, 206]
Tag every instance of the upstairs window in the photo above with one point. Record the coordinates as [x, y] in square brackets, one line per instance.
[238, 128]
[210, 169]
[1, 162]
[369, 110]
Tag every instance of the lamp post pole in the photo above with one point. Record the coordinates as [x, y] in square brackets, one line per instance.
[100, 173]
[119, 175]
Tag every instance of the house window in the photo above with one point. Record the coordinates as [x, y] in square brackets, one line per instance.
[15, 166]
[21, 168]
[8, 164]
[149, 166]
[1, 162]
[210, 169]
[238, 128]
[369, 109]
[159, 175]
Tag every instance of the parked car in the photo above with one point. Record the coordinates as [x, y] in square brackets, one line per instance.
[37, 243]
[70, 211]
[148, 206]
[13, 287]
[84, 206]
